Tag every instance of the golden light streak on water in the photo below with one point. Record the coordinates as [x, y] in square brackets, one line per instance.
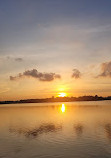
[63, 108]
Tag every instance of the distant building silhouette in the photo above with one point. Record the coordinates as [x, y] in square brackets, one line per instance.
[59, 99]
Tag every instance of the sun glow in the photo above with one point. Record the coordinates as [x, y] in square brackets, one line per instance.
[62, 95]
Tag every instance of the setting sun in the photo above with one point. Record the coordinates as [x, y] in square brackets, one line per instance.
[62, 95]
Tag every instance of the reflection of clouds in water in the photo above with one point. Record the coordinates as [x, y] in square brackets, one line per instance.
[108, 130]
[35, 132]
[78, 129]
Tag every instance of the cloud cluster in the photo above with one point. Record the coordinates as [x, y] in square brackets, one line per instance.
[35, 74]
[76, 74]
[43, 76]
[105, 69]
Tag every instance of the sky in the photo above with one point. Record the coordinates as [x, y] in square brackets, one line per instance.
[48, 47]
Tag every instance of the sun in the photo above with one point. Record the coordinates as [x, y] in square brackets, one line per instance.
[62, 94]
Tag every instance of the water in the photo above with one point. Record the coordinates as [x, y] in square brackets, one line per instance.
[56, 130]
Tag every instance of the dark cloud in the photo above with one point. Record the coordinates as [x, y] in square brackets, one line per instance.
[105, 69]
[76, 74]
[35, 74]
[8, 57]
[18, 59]
[13, 78]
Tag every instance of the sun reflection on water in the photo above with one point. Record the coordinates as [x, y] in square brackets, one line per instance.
[63, 108]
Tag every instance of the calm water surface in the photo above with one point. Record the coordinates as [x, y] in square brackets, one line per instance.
[56, 130]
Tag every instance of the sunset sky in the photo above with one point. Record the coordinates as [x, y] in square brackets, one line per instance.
[49, 47]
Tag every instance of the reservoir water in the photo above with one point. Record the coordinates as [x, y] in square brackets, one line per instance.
[56, 130]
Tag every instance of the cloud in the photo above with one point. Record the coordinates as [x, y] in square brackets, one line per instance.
[35, 74]
[18, 59]
[5, 90]
[76, 74]
[13, 78]
[105, 69]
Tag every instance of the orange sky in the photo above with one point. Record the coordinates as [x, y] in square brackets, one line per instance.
[53, 47]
